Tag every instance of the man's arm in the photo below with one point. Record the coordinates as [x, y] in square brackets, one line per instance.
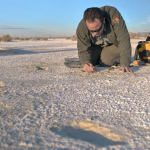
[122, 35]
[83, 43]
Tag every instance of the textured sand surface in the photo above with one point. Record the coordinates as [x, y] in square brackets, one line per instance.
[45, 105]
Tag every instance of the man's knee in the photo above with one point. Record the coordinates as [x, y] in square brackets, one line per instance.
[110, 55]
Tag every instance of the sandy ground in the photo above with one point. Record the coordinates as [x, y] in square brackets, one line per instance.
[61, 108]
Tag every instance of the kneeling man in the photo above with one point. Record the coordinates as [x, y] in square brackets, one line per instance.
[103, 39]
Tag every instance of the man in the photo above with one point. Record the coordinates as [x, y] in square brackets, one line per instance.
[103, 39]
[148, 38]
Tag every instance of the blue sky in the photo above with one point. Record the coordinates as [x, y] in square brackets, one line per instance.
[61, 17]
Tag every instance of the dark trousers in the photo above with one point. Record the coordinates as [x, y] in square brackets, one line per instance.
[104, 56]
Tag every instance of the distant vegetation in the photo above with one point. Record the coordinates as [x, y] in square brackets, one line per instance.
[31, 38]
[139, 35]
[74, 38]
[8, 38]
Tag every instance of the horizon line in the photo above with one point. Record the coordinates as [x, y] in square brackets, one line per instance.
[15, 28]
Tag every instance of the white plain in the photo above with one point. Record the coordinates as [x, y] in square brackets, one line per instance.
[49, 109]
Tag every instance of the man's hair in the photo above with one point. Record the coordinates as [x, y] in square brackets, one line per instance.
[93, 13]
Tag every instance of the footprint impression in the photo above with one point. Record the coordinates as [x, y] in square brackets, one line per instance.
[92, 133]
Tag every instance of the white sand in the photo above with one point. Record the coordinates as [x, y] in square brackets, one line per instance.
[62, 108]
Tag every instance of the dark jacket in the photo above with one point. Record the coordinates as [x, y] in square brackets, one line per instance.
[117, 33]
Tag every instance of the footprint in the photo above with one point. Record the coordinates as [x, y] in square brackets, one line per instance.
[91, 133]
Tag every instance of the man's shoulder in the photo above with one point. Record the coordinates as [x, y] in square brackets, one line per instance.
[82, 22]
[110, 13]
[81, 25]
[108, 8]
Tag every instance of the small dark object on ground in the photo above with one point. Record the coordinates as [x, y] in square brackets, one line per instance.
[72, 63]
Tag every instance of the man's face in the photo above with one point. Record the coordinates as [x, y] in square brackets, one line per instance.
[96, 27]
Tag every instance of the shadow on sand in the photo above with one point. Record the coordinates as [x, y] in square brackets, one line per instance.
[83, 135]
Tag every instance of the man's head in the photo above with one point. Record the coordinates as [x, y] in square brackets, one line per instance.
[95, 20]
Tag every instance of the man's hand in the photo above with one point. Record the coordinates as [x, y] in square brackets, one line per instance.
[88, 67]
[126, 69]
